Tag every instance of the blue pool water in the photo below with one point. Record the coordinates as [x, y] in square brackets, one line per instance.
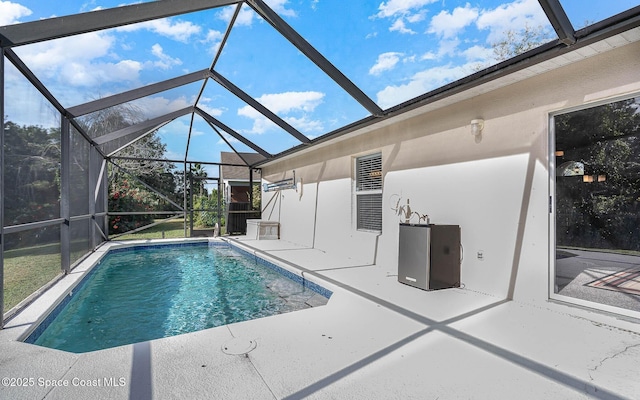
[141, 294]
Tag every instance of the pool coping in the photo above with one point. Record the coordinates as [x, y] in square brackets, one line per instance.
[24, 324]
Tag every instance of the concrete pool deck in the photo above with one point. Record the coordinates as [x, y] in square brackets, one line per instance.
[375, 339]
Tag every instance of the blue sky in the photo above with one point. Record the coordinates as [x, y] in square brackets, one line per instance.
[393, 50]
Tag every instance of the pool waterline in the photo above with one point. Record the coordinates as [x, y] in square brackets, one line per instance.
[31, 334]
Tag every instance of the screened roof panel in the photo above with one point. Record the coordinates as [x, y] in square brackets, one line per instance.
[244, 120]
[400, 50]
[174, 137]
[85, 67]
[206, 144]
[27, 106]
[265, 65]
[166, 102]
[586, 12]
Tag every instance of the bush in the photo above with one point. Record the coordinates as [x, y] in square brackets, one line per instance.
[124, 197]
[209, 217]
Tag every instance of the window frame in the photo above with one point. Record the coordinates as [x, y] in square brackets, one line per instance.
[372, 187]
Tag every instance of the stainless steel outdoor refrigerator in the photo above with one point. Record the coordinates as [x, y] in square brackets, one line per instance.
[429, 256]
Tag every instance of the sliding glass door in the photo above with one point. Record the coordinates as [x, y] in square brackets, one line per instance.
[597, 206]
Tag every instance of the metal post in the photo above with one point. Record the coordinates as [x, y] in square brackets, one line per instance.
[184, 197]
[2, 188]
[219, 199]
[65, 212]
[92, 184]
[190, 200]
[105, 195]
[250, 192]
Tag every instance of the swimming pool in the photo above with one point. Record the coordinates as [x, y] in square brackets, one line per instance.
[143, 293]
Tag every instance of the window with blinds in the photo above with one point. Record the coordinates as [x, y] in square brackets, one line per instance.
[368, 192]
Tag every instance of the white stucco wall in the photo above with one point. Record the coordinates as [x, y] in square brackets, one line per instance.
[496, 187]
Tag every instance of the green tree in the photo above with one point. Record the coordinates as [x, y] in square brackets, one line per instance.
[126, 193]
[603, 211]
[515, 42]
[31, 173]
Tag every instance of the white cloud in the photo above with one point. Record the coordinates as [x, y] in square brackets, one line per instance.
[291, 101]
[164, 60]
[158, 105]
[213, 36]
[447, 24]
[421, 83]
[260, 124]
[478, 53]
[279, 7]
[403, 12]
[400, 7]
[213, 41]
[282, 104]
[244, 18]
[417, 17]
[447, 47]
[10, 13]
[399, 26]
[511, 16]
[176, 30]
[305, 124]
[71, 60]
[386, 62]
[246, 14]
[429, 56]
[204, 105]
[95, 74]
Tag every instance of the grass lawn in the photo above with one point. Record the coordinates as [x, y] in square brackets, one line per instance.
[172, 229]
[27, 270]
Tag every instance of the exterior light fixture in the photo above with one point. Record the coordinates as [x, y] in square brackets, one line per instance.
[476, 126]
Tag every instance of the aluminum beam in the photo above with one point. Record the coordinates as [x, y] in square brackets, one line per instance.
[65, 194]
[559, 20]
[54, 28]
[120, 98]
[176, 161]
[95, 180]
[212, 121]
[258, 107]
[143, 127]
[314, 55]
[226, 35]
[186, 151]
